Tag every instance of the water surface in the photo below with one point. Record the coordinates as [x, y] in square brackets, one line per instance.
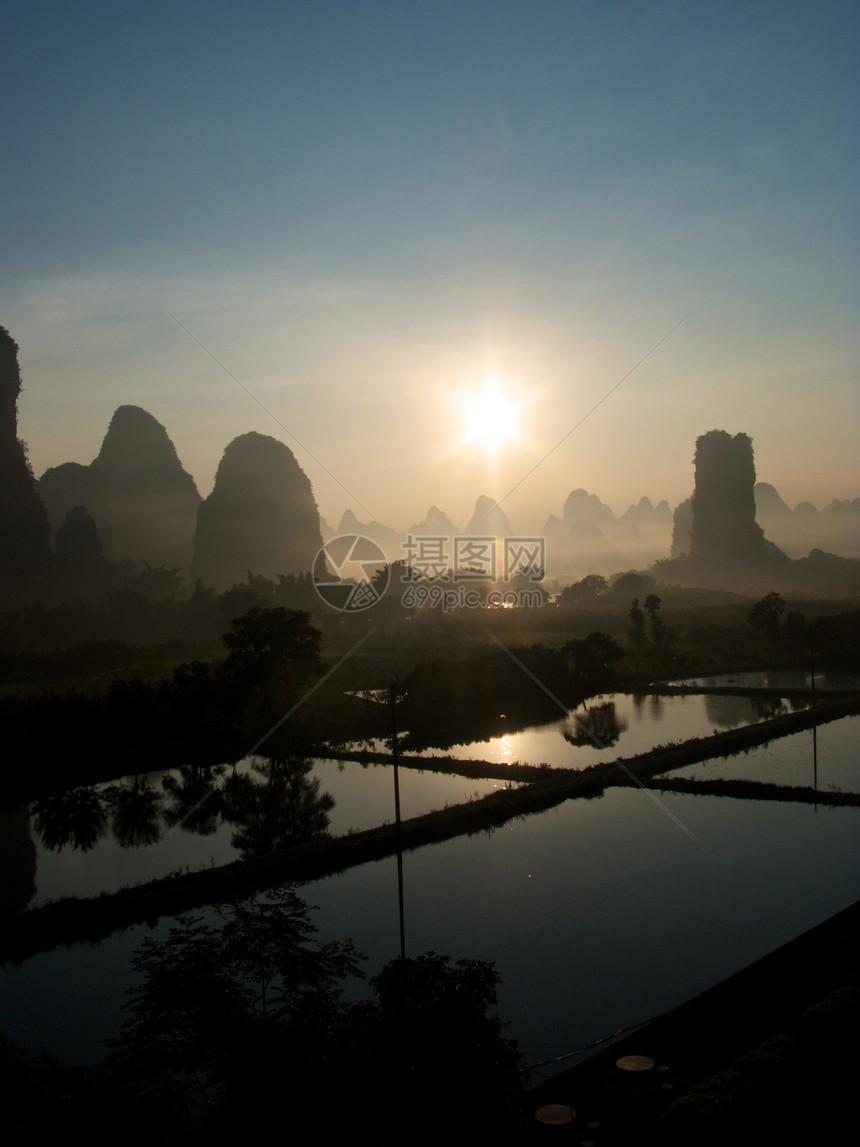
[343, 796]
[597, 913]
[615, 725]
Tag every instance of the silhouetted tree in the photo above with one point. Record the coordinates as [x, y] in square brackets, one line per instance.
[265, 641]
[661, 635]
[593, 657]
[215, 1023]
[638, 638]
[633, 582]
[765, 616]
[433, 1035]
[588, 590]
[239, 600]
[273, 654]
[795, 631]
[389, 582]
[160, 582]
[528, 577]
[199, 616]
[296, 591]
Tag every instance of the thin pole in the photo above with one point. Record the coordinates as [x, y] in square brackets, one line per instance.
[814, 705]
[397, 818]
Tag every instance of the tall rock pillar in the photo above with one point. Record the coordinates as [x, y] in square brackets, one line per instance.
[724, 529]
[25, 547]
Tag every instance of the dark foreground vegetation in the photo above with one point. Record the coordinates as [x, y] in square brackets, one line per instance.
[239, 1023]
[755, 1098]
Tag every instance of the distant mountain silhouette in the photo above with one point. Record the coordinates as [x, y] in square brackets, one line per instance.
[588, 538]
[393, 543]
[387, 539]
[587, 509]
[82, 570]
[642, 530]
[71, 484]
[152, 500]
[577, 548]
[77, 538]
[488, 520]
[25, 547]
[826, 573]
[435, 524]
[143, 502]
[260, 517]
[768, 503]
[646, 516]
[835, 528]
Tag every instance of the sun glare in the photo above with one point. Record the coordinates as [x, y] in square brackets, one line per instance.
[491, 418]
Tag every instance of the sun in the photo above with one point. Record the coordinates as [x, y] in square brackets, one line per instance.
[491, 418]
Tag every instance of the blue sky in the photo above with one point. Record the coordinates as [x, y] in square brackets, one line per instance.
[365, 209]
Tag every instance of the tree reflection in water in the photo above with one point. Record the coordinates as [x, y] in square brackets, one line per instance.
[276, 804]
[597, 725]
[273, 804]
[197, 799]
[136, 815]
[77, 817]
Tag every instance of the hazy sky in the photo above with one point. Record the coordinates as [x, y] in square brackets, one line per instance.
[366, 208]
